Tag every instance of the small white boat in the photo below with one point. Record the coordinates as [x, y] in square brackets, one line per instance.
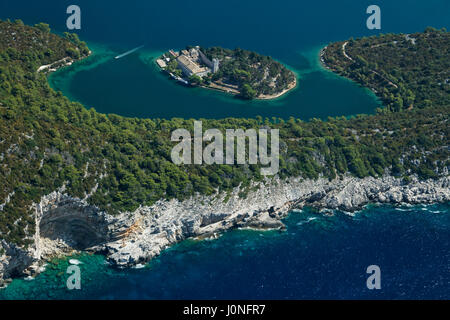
[128, 52]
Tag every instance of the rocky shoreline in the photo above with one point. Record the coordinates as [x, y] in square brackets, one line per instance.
[64, 62]
[65, 225]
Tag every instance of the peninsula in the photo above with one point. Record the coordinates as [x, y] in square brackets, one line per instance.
[75, 179]
[246, 74]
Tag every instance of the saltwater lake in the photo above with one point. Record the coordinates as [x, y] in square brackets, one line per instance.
[290, 31]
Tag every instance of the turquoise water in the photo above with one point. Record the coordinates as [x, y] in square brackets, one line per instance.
[317, 257]
[290, 31]
[133, 86]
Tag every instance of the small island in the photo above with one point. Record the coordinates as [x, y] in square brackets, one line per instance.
[243, 73]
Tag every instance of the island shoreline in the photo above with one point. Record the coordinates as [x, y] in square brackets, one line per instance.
[162, 65]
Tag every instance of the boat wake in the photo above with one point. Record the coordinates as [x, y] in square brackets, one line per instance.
[128, 52]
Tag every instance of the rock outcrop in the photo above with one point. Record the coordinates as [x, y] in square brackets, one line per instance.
[167, 222]
[65, 223]
[13, 261]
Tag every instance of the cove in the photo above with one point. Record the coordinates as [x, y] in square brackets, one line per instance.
[134, 87]
[289, 31]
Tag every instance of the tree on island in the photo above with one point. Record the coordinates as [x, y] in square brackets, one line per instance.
[207, 79]
[195, 80]
[247, 92]
[73, 53]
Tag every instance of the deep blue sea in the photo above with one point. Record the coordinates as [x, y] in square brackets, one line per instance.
[318, 257]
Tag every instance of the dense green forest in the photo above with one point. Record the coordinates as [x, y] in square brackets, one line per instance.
[253, 73]
[250, 73]
[405, 70]
[118, 163]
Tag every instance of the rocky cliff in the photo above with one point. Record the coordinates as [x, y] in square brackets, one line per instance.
[65, 224]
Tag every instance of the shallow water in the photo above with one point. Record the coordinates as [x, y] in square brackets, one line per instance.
[133, 86]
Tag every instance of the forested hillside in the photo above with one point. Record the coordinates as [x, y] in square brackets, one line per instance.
[405, 70]
[118, 163]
